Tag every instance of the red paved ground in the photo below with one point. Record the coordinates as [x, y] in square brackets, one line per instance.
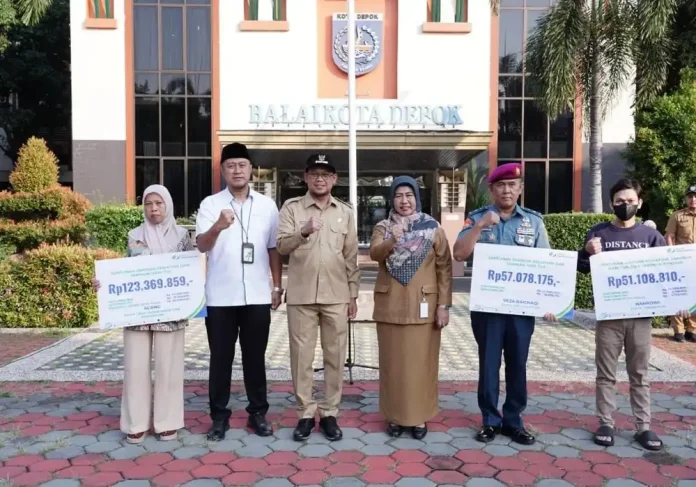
[685, 351]
[16, 345]
[592, 468]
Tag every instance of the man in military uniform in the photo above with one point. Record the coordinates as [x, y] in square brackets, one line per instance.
[318, 232]
[681, 229]
[503, 223]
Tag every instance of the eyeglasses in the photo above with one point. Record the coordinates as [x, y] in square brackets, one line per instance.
[315, 175]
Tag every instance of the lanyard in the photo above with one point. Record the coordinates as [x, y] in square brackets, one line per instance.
[245, 231]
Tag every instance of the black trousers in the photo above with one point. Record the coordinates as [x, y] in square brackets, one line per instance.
[500, 335]
[224, 324]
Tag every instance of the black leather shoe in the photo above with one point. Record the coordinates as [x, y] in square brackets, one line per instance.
[260, 424]
[330, 428]
[394, 430]
[520, 435]
[487, 434]
[690, 336]
[218, 429]
[304, 429]
[419, 433]
[678, 337]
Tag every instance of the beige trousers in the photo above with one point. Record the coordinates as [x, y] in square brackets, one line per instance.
[137, 412]
[304, 322]
[634, 336]
[678, 324]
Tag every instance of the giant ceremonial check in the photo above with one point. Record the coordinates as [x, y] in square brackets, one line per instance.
[151, 289]
[639, 283]
[523, 281]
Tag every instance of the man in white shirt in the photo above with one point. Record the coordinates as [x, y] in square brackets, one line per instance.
[237, 228]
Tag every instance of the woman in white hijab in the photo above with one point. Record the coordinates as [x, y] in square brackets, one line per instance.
[159, 234]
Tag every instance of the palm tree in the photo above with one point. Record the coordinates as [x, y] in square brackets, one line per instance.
[29, 12]
[593, 49]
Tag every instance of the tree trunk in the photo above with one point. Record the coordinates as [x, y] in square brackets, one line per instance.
[595, 150]
[595, 136]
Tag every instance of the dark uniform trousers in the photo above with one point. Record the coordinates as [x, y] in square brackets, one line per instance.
[498, 335]
[224, 324]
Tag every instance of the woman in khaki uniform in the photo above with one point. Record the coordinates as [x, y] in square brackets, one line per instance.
[413, 294]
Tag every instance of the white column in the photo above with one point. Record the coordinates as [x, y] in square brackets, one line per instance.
[447, 10]
[265, 9]
[352, 131]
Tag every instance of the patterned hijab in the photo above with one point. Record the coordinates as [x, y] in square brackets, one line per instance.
[413, 247]
[160, 238]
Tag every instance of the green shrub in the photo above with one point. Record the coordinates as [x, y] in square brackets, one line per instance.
[50, 286]
[37, 167]
[108, 225]
[663, 155]
[567, 232]
[49, 204]
[28, 235]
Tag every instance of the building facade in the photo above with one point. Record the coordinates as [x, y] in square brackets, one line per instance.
[160, 85]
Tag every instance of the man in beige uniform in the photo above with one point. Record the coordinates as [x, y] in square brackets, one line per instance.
[318, 232]
[681, 229]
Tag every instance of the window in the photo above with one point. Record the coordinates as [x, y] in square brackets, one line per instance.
[447, 16]
[525, 133]
[264, 15]
[100, 14]
[173, 99]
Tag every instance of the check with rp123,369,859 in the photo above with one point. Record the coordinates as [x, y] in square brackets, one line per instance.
[151, 289]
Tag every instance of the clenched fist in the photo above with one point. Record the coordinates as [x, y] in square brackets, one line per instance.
[312, 225]
[594, 246]
[225, 220]
[397, 232]
[489, 219]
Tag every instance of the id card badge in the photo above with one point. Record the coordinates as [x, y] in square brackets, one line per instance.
[247, 253]
[423, 309]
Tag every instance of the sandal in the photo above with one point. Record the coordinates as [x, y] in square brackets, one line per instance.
[168, 435]
[604, 431]
[135, 438]
[645, 438]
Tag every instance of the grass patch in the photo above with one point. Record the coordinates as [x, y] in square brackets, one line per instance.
[6, 394]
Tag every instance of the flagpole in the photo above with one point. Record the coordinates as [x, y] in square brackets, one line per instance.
[352, 131]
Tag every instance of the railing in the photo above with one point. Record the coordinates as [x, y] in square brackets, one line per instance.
[254, 9]
[101, 9]
[459, 11]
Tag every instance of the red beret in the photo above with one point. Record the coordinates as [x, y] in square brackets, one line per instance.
[506, 171]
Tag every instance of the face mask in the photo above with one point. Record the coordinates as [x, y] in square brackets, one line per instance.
[625, 212]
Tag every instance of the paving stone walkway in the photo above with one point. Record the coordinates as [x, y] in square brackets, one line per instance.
[562, 351]
[65, 435]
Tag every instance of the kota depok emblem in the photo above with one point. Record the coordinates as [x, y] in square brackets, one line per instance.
[368, 42]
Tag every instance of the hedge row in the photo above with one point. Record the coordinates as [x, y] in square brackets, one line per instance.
[108, 225]
[50, 215]
[50, 286]
[567, 232]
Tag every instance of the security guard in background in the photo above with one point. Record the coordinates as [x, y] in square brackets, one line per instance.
[318, 232]
[681, 229]
[503, 223]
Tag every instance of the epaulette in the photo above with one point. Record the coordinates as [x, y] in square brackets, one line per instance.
[478, 211]
[344, 203]
[532, 212]
[292, 200]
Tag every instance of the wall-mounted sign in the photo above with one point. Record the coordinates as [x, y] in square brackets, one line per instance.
[370, 115]
[368, 41]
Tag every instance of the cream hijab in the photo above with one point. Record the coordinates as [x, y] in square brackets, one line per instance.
[163, 237]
